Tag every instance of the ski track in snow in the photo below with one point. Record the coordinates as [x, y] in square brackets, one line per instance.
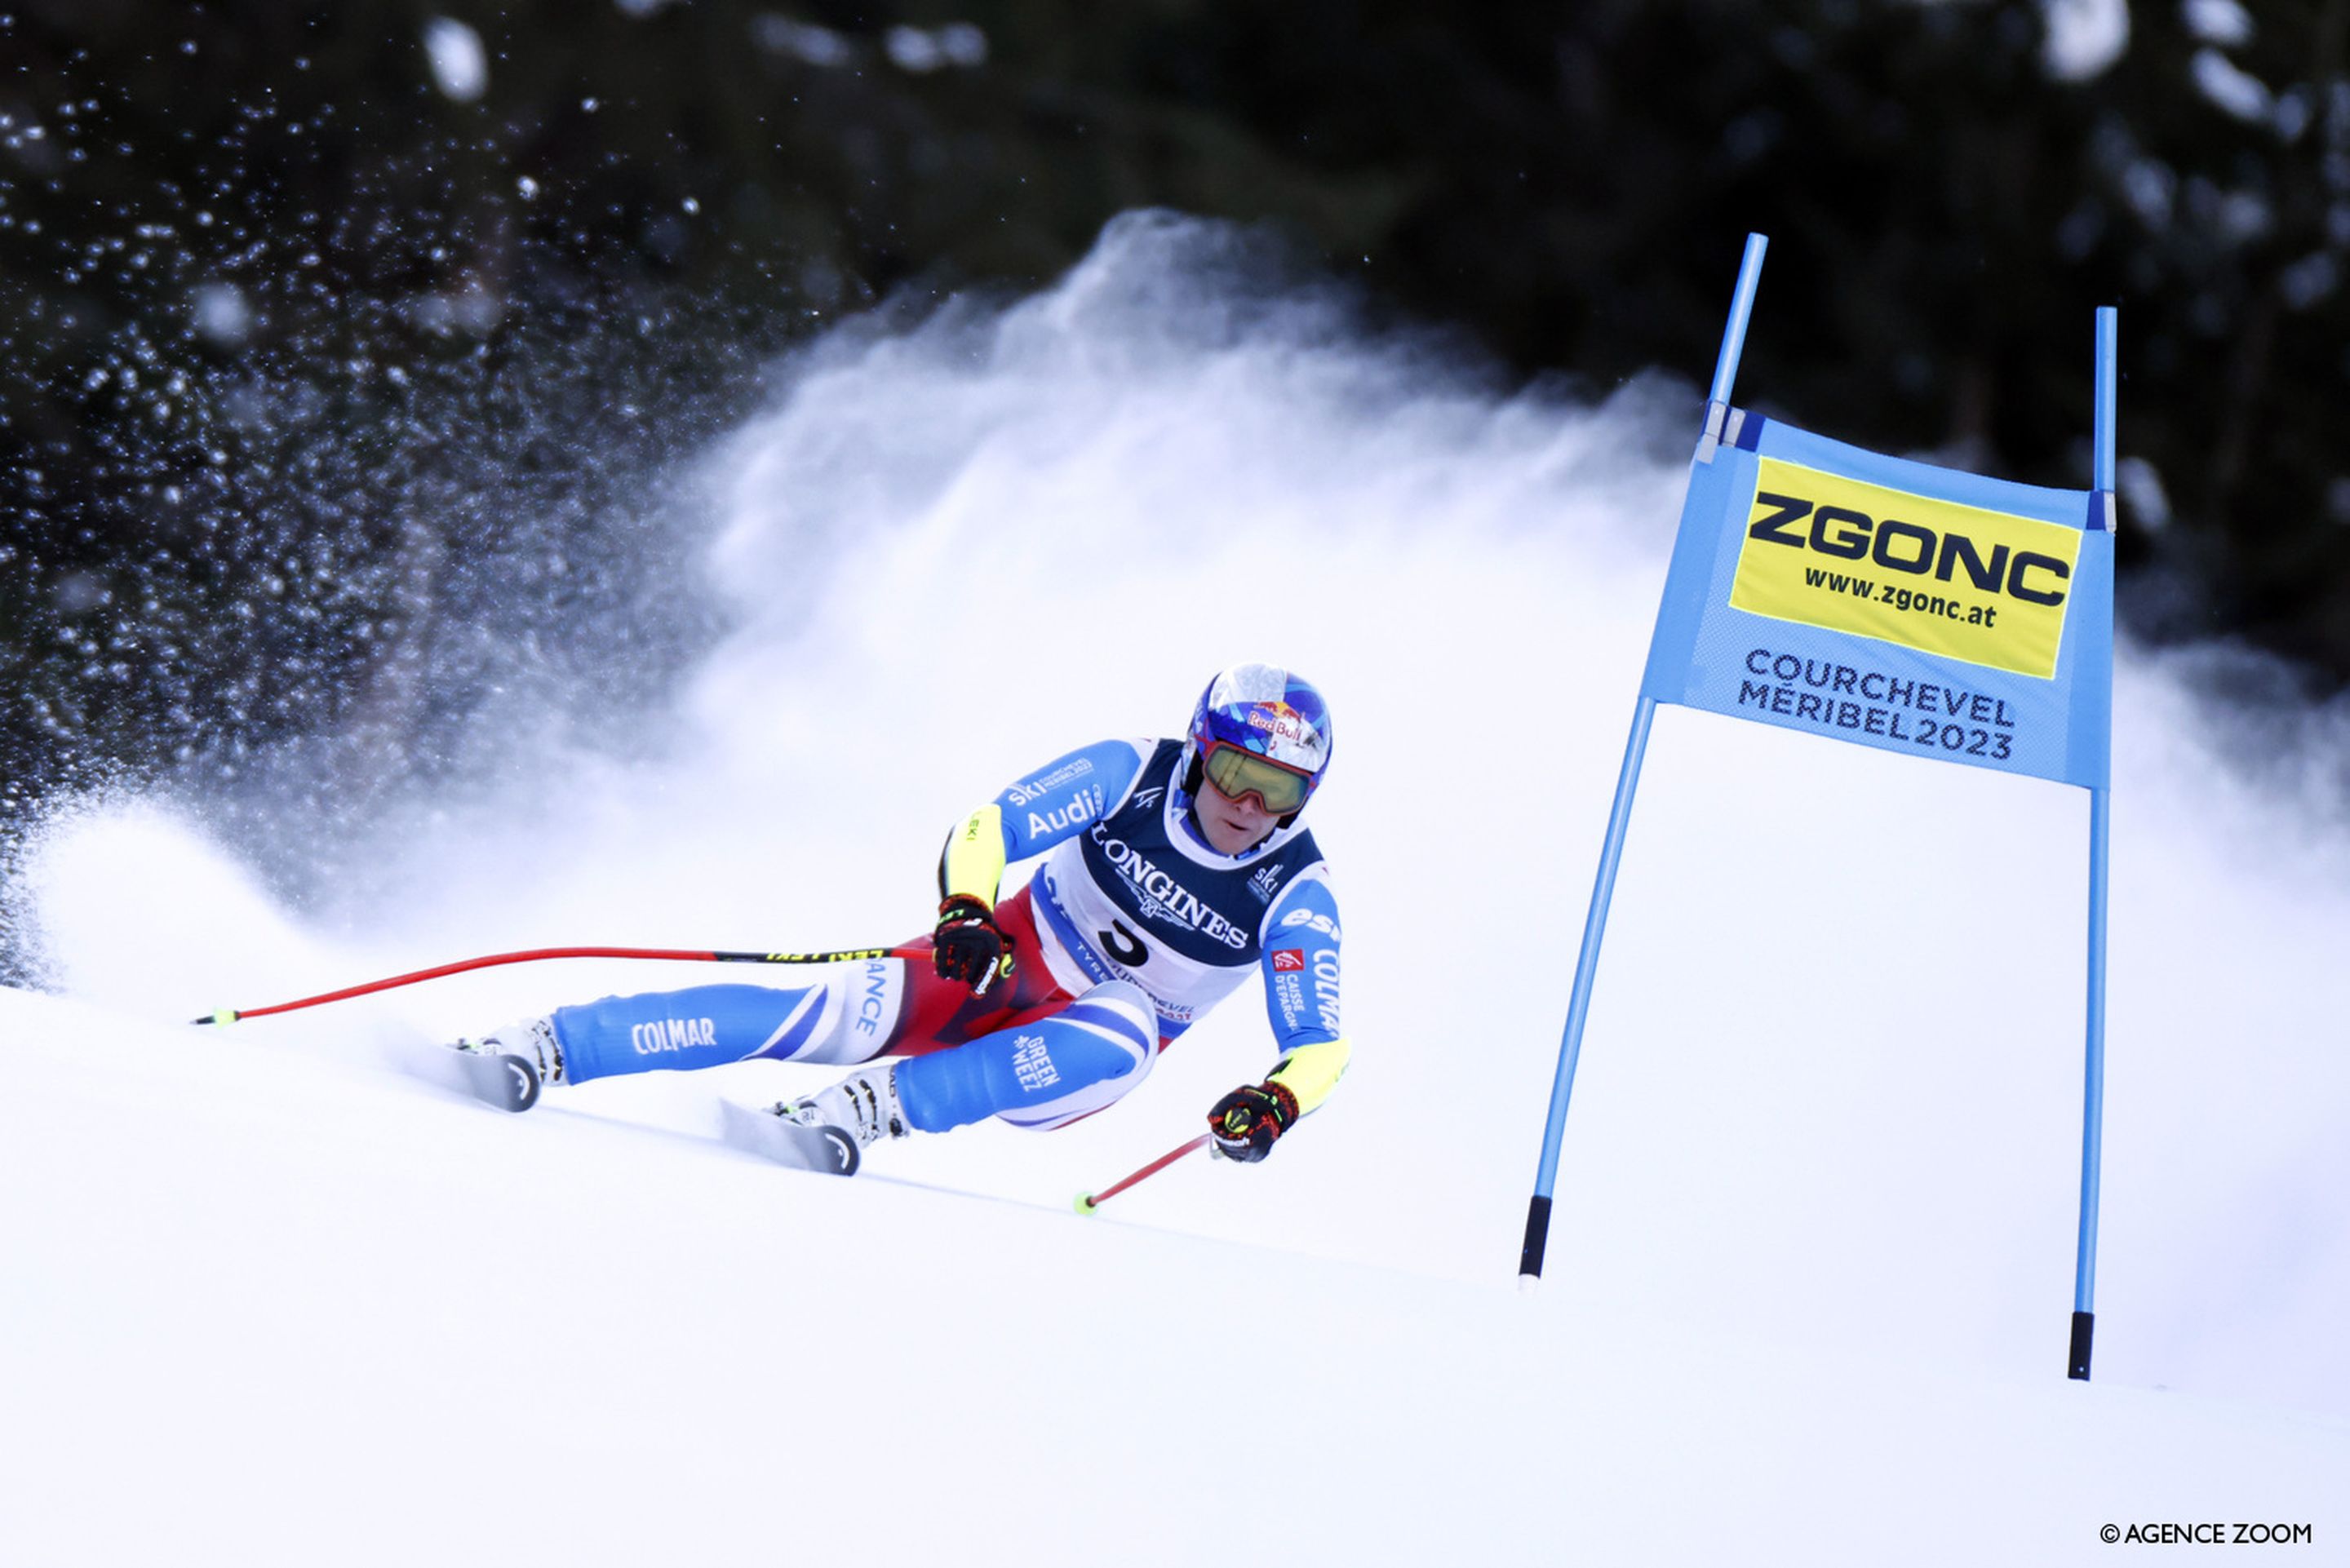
[1812, 1259]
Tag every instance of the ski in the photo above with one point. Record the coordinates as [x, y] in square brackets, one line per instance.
[826, 1149]
[509, 1083]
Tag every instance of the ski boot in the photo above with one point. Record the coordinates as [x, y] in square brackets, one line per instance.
[828, 1130]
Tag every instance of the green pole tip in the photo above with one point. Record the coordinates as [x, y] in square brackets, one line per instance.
[1084, 1204]
[225, 1015]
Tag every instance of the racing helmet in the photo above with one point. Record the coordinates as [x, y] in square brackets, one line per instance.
[1258, 730]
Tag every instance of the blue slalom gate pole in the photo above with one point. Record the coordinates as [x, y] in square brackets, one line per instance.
[1586, 964]
[1741, 305]
[1627, 783]
[2093, 1095]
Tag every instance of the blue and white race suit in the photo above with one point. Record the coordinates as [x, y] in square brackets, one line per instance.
[1132, 891]
[1133, 920]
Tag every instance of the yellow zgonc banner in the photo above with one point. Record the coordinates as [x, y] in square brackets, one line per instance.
[1955, 581]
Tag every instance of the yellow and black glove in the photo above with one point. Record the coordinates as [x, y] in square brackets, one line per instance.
[1246, 1122]
[971, 947]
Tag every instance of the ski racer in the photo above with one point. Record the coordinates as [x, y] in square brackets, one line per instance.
[1172, 867]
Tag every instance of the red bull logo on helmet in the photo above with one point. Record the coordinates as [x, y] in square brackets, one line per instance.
[1286, 735]
[1279, 718]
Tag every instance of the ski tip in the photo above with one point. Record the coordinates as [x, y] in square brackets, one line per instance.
[1086, 1204]
[521, 1086]
[507, 1083]
[828, 1150]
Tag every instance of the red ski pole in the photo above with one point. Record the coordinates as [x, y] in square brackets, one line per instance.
[1089, 1202]
[231, 1014]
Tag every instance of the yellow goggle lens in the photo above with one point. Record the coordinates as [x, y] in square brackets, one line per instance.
[1236, 772]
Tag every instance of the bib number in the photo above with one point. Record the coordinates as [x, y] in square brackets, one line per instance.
[1123, 945]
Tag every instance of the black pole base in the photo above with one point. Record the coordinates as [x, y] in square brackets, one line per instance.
[1530, 1257]
[2076, 1366]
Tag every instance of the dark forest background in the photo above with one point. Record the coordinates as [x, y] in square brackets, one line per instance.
[316, 362]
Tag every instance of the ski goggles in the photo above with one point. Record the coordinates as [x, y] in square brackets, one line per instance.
[1235, 773]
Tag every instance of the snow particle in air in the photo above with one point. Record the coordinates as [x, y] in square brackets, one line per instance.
[222, 315]
[460, 67]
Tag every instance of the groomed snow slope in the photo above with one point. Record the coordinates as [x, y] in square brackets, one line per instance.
[270, 1306]
[267, 1298]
